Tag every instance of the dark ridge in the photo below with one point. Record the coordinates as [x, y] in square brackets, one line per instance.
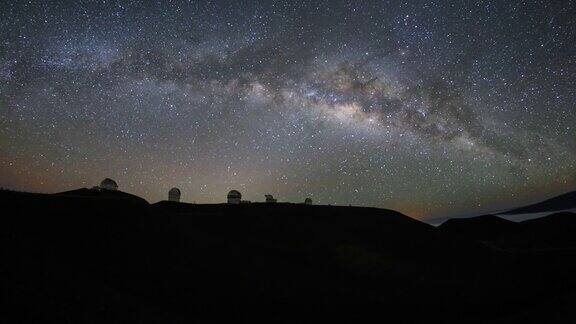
[562, 202]
[480, 228]
[478, 220]
[554, 220]
[101, 194]
[556, 231]
[85, 256]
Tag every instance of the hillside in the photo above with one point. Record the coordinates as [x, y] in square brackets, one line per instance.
[84, 257]
[480, 228]
[562, 202]
[553, 232]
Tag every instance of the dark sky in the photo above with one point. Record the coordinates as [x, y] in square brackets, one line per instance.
[433, 108]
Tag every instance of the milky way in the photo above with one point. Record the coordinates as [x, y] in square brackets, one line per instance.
[433, 108]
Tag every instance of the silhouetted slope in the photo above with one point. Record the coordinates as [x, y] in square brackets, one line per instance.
[101, 194]
[480, 228]
[556, 231]
[564, 221]
[562, 202]
[76, 258]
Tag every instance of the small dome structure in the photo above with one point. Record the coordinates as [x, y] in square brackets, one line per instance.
[174, 194]
[108, 184]
[308, 201]
[234, 197]
[270, 199]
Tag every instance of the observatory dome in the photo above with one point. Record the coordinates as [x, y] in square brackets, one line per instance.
[308, 201]
[234, 197]
[174, 194]
[108, 184]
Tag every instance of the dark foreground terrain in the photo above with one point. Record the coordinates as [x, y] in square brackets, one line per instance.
[87, 256]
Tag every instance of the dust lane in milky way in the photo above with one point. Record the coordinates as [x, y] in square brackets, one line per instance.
[433, 108]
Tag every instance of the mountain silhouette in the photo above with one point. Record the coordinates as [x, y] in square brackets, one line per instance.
[562, 202]
[556, 232]
[480, 228]
[100, 257]
[102, 194]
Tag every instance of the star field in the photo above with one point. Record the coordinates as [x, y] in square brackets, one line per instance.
[432, 108]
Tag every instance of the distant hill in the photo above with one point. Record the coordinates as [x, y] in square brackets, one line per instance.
[480, 228]
[100, 257]
[556, 222]
[562, 202]
[101, 194]
[556, 231]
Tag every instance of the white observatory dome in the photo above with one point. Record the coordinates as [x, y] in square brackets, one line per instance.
[174, 194]
[234, 197]
[108, 184]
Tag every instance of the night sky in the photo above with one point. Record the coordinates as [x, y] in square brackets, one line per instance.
[432, 108]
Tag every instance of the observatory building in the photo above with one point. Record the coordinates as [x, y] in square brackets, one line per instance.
[234, 197]
[108, 184]
[308, 201]
[174, 195]
[270, 199]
